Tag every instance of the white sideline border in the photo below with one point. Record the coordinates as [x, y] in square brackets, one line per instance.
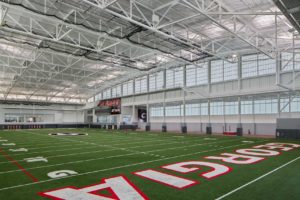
[257, 179]
[123, 166]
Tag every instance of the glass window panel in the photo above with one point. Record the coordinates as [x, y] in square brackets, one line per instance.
[204, 108]
[266, 65]
[174, 111]
[266, 106]
[249, 66]
[156, 112]
[192, 109]
[127, 88]
[216, 108]
[231, 108]
[217, 71]
[246, 107]
[287, 61]
[230, 71]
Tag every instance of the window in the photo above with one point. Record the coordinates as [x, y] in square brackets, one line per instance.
[217, 71]
[98, 97]
[174, 77]
[156, 81]
[246, 107]
[266, 106]
[231, 108]
[255, 65]
[284, 104]
[192, 109]
[249, 66]
[202, 76]
[116, 91]
[287, 61]
[191, 75]
[127, 88]
[295, 103]
[216, 108]
[107, 94]
[196, 75]
[157, 111]
[141, 85]
[174, 111]
[230, 71]
[266, 65]
[106, 119]
[28, 117]
[204, 108]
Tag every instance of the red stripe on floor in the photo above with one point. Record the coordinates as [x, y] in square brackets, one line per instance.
[34, 179]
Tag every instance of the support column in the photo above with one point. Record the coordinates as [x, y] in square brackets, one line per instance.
[183, 123]
[240, 72]
[278, 70]
[208, 126]
[239, 129]
[253, 114]
[278, 105]
[148, 126]
[209, 76]
[133, 114]
[164, 125]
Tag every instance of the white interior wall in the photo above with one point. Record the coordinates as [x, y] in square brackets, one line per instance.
[60, 113]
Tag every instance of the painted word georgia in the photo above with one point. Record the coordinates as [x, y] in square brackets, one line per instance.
[119, 187]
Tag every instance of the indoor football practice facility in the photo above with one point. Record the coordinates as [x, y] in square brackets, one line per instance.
[149, 99]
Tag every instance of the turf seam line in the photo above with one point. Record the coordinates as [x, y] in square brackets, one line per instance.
[257, 179]
[34, 179]
[124, 166]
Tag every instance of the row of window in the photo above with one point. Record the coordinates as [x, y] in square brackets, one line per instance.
[252, 65]
[257, 106]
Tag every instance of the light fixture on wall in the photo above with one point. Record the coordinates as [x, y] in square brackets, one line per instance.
[234, 57]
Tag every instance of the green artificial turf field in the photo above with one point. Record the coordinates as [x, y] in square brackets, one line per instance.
[105, 154]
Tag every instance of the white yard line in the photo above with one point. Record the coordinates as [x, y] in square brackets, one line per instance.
[257, 179]
[49, 151]
[62, 155]
[123, 166]
[109, 146]
[40, 145]
[114, 156]
[151, 145]
[49, 147]
[104, 145]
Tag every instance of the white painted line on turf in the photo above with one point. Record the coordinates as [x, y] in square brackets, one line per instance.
[91, 143]
[51, 147]
[210, 138]
[246, 141]
[123, 166]
[42, 145]
[257, 179]
[104, 145]
[115, 156]
[50, 151]
[89, 152]
[178, 136]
